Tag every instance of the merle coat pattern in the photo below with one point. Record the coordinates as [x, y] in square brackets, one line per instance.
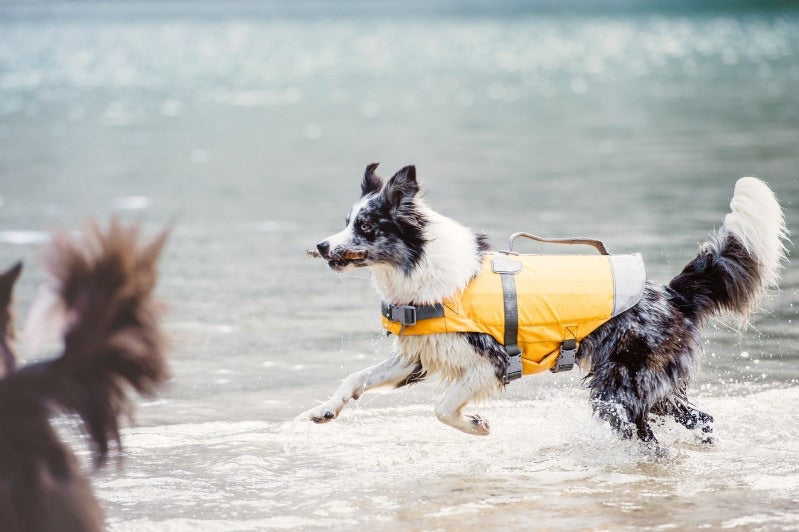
[638, 363]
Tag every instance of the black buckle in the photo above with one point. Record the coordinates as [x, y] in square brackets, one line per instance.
[514, 370]
[404, 314]
[568, 353]
[409, 317]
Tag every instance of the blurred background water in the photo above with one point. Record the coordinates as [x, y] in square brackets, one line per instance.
[246, 126]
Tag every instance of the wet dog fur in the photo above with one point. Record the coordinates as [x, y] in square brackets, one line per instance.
[102, 294]
[637, 364]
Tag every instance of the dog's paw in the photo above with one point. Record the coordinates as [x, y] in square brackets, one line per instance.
[479, 425]
[660, 452]
[706, 439]
[321, 414]
[323, 418]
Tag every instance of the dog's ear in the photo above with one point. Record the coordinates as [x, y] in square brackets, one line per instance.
[371, 181]
[401, 186]
[7, 280]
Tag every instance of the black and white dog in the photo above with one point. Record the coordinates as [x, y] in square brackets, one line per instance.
[638, 363]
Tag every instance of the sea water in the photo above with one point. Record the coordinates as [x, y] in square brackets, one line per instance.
[245, 127]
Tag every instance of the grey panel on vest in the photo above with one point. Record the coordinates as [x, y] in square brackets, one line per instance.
[629, 279]
[502, 263]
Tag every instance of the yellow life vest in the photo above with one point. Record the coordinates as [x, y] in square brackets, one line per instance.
[560, 299]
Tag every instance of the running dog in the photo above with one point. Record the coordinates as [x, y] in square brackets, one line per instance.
[637, 363]
[101, 301]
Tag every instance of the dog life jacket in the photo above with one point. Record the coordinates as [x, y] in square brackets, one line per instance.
[538, 306]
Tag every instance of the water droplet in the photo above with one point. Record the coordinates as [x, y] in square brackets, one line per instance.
[313, 131]
[171, 108]
[578, 85]
[198, 156]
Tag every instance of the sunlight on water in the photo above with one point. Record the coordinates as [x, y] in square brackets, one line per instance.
[22, 237]
[245, 127]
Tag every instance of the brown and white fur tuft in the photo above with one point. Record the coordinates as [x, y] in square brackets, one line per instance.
[102, 285]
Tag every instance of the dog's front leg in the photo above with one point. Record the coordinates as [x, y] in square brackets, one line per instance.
[472, 383]
[391, 371]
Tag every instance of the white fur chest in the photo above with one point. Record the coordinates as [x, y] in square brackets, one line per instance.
[444, 355]
[449, 261]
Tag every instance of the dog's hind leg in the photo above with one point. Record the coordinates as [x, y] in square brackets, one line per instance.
[643, 430]
[623, 421]
[394, 371]
[616, 415]
[687, 415]
[691, 417]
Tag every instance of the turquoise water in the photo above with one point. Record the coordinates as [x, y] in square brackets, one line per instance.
[247, 126]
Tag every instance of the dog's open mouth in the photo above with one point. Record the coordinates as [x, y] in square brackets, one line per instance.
[339, 261]
[359, 254]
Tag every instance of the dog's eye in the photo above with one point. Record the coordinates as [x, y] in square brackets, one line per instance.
[366, 227]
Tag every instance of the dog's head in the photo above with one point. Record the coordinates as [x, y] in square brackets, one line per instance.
[385, 226]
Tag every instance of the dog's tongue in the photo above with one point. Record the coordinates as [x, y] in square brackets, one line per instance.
[313, 253]
[354, 255]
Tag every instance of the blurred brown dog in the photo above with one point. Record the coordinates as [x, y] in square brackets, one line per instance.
[102, 293]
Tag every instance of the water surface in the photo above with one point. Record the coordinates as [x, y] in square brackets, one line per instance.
[246, 127]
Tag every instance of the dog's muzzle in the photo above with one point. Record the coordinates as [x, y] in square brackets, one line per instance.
[324, 248]
[338, 260]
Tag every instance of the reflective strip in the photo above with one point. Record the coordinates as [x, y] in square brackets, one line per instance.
[629, 279]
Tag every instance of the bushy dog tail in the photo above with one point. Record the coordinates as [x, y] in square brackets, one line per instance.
[740, 261]
[103, 300]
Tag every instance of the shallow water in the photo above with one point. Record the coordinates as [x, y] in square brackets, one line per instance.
[246, 126]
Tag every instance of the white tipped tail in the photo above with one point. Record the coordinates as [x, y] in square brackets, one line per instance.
[759, 223]
[740, 261]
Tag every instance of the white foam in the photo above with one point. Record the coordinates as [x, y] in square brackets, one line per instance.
[548, 456]
[23, 237]
[199, 326]
[132, 203]
[220, 525]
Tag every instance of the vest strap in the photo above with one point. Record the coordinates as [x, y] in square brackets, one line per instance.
[410, 314]
[507, 269]
[514, 370]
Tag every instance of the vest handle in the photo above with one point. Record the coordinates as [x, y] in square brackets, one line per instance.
[585, 241]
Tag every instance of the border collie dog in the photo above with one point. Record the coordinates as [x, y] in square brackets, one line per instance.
[101, 302]
[638, 363]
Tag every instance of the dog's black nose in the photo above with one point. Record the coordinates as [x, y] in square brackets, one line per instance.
[323, 248]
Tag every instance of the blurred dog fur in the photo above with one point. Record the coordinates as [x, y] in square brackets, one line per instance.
[637, 364]
[102, 295]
